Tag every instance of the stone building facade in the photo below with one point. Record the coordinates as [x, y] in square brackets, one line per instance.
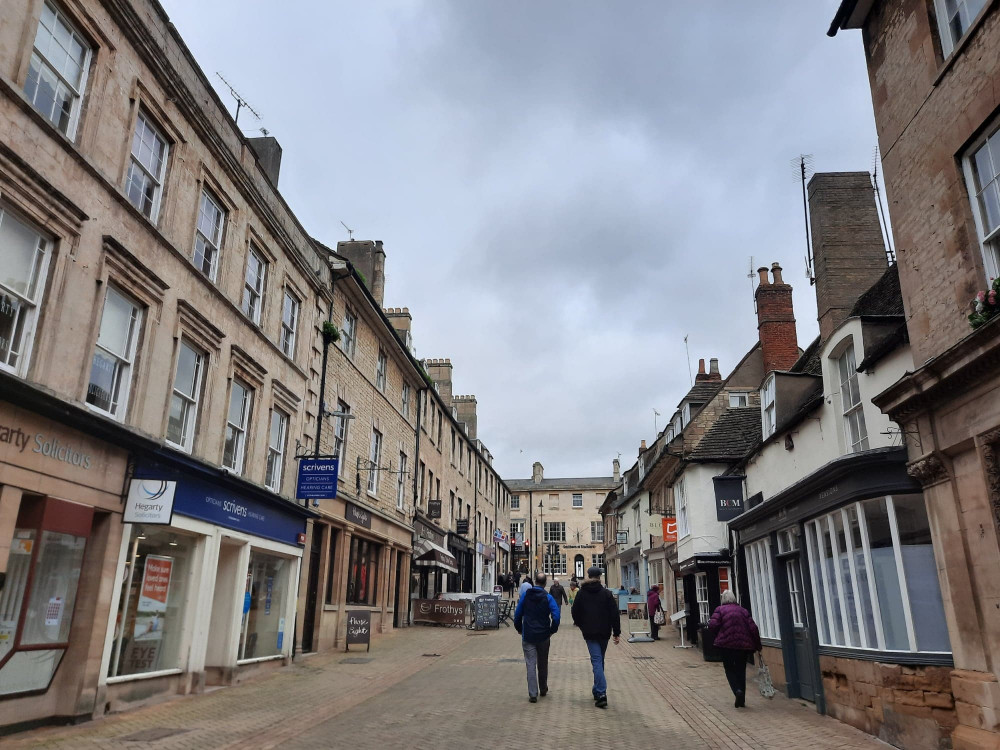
[933, 68]
[560, 518]
[158, 301]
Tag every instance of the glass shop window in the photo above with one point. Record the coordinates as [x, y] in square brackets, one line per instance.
[39, 595]
[362, 572]
[150, 622]
[262, 631]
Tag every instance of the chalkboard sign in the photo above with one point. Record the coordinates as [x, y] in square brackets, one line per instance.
[487, 611]
[359, 629]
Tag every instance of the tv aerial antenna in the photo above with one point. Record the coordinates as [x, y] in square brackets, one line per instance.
[350, 232]
[890, 252]
[240, 101]
[752, 274]
[803, 166]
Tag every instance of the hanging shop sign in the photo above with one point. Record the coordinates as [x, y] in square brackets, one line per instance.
[655, 524]
[669, 529]
[621, 537]
[434, 508]
[317, 478]
[150, 501]
[462, 526]
[359, 629]
[728, 497]
[358, 516]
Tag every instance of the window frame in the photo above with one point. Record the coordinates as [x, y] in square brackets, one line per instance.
[948, 41]
[255, 312]
[701, 596]
[855, 435]
[597, 538]
[349, 332]
[736, 396]
[242, 430]
[768, 408]
[278, 465]
[381, 366]
[576, 505]
[989, 242]
[374, 458]
[401, 482]
[404, 400]
[193, 400]
[30, 303]
[213, 246]
[160, 180]
[79, 91]
[553, 531]
[126, 361]
[760, 579]
[288, 331]
[515, 502]
[340, 430]
[680, 502]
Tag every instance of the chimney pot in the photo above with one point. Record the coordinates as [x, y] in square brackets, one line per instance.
[701, 366]
[713, 366]
[762, 271]
[642, 445]
[776, 270]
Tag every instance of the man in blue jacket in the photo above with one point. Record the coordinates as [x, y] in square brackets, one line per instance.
[536, 619]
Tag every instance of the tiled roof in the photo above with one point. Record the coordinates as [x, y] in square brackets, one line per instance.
[573, 483]
[883, 298]
[732, 435]
[703, 392]
[809, 362]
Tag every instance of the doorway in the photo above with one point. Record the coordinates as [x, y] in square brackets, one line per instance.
[805, 676]
[578, 566]
[397, 616]
[312, 589]
[226, 601]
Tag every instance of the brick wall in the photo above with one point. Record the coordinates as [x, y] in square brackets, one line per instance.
[776, 321]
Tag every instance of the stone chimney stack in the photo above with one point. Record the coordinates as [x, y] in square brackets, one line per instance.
[642, 446]
[848, 246]
[537, 472]
[466, 406]
[268, 152]
[709, 376]
[616, 470]
[368, 257]
[440, 372]
[776, 321]
[402, 322]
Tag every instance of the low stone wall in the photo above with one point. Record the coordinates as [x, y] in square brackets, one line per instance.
[911, 707]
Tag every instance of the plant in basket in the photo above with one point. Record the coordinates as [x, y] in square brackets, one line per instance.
[985, 305]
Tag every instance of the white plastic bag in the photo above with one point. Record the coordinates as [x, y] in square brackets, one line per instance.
[764, 683]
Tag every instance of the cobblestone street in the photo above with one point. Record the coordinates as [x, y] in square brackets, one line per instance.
[437, 687]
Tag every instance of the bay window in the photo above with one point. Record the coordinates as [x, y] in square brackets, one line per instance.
[875, 583]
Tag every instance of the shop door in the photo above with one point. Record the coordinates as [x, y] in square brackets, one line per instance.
[805, 674]
[396, 614]
[312, 589]
[578, 566]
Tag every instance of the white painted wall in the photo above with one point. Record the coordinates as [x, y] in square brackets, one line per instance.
[707, 534]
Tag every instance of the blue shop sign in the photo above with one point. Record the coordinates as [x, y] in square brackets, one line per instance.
[317, 478]
[207, 501]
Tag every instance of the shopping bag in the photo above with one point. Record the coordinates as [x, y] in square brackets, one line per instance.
[658, 617]
[764, 680]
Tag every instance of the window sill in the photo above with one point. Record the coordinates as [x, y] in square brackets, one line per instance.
[258, 660]
[143, 676]
[889, 657]
[957, 50]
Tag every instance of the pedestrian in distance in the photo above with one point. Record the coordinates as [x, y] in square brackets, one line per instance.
[736, 636]
[558, 592]
[525, 585]
[654, 605]
[536, 619]
[571, 594]
[595, 612]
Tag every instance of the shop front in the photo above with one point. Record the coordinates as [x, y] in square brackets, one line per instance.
[705, 577]
[60, 504]
[206, 574]
[432, 562]
[485, 559]
[462, 579]
[359, 560]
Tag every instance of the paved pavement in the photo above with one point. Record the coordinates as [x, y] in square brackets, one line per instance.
[438, 687]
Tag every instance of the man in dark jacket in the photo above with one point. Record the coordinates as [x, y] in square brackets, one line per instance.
[536, 619]
[595, 612]
[557, 592]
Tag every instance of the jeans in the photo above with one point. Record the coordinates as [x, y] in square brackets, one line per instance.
[536, 657]
[597, 649]
[734, 661]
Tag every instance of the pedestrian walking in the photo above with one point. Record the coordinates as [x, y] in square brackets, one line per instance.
[595, 612]
[571, 594]
[557, 592]
[510, 586]
[654, 607]
[536, 619]
[525, 585]
[736, 636]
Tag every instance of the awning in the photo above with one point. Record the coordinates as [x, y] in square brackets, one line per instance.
[429, 555]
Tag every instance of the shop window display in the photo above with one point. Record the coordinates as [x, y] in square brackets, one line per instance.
[362, 572]
[150, 622]
[262, 629]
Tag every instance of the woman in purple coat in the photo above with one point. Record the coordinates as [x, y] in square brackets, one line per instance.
[736, 635]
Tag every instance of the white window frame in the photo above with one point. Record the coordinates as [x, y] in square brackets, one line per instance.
[597, 532]
[123, 360]
[240, 430]
[680, 499]
[381, 365]
[576, 496]
[253, 293]
[852, 403]
[349, 333]
[948, 39]
[760, 578]
[158, 179]
[291, 307]
[794, 576]
[275, 469]
[405, 401]
[28, 303]
[736, 398]
[597, 559]
[768, 412]
[76, 90]
[515, 502]
[701, 596]
[989, 240]
[191, 401]
[559, 561]
[553, 531]
[401, 482]
[209, 248]
[374, 458]
[340, 427]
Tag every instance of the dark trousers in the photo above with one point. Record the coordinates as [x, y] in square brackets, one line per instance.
[735, 663]
[654, 629]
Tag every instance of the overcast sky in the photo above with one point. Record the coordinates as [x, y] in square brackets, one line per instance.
[564, 189]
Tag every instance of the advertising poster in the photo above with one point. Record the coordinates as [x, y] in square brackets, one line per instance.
[152, 605]
[638, 618]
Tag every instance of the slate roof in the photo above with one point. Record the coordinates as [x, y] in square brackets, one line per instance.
[731, 437]
[883, 298]
[703, 392]
[573, 483]
[809, 362]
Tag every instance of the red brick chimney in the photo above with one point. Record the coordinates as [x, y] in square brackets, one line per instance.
[776, 321]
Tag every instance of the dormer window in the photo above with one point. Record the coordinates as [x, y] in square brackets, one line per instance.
[767, 407]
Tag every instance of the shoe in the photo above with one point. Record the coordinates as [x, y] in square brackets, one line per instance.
[532, 699]
[740, 699]
[601, 701]
[543, 693]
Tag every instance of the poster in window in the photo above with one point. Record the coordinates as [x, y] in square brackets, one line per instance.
[153, 598]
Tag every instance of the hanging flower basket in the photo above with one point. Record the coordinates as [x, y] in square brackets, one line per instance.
[986, 305]
[331, 334]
